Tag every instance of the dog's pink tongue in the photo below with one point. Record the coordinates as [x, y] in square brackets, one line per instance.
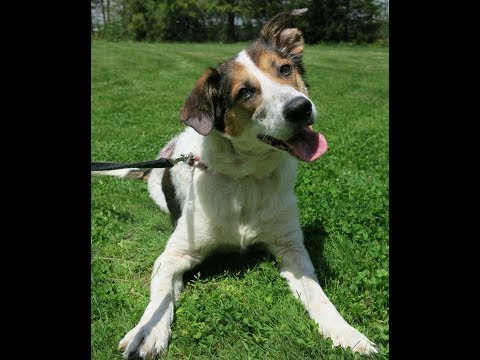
[308, 145]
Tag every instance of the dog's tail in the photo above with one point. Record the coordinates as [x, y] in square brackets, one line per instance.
[133, 173]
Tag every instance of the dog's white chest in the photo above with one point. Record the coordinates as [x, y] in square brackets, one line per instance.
[238, 212]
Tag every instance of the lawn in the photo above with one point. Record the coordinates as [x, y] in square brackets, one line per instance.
[237, 306]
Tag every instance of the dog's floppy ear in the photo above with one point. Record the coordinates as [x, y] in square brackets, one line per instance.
[201, 108]
[276, 33]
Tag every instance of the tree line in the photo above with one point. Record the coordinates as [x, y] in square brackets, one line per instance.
[356, 21]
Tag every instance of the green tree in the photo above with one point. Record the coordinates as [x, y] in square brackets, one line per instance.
[236, 20]
[365, 20]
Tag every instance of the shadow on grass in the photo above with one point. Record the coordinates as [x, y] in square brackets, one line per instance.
[314, 238]
[234, 262]
[239, 262]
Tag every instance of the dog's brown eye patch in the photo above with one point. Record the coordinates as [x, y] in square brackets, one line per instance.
[243, 85]
[245, 93]
[279, 68]
[286, 69]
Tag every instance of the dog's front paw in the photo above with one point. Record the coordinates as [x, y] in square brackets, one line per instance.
[348, 336]
[145, 342]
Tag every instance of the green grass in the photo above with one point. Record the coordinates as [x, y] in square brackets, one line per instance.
[237, 306]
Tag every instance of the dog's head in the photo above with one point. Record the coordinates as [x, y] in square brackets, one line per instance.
[259, 96]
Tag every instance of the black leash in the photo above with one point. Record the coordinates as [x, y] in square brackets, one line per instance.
[157, 163]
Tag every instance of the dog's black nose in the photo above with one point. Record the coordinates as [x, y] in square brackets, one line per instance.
[298, 110]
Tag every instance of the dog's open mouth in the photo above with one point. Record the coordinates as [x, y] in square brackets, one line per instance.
[307, 145]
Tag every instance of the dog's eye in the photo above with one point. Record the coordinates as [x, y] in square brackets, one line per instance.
[245, 93]
[286, 69]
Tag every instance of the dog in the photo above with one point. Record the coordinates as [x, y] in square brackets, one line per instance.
[249, 123]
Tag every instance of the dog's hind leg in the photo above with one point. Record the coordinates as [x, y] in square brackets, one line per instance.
[155, 189]
[296, 267]
[160, 186]
[150, 337]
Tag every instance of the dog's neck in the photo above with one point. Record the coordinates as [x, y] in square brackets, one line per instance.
[237, 158]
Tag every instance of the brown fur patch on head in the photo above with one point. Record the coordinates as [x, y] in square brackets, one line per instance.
[236, 120]
[270, 62]
[239, 115]
[276, 33]
[286, 42]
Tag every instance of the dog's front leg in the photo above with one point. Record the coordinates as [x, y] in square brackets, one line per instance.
[296, 267]
[150, 336]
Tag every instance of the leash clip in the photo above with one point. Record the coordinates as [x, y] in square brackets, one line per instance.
[186, 159]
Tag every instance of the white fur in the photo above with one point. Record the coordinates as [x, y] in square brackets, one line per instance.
[155, 189]
[246, 196]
